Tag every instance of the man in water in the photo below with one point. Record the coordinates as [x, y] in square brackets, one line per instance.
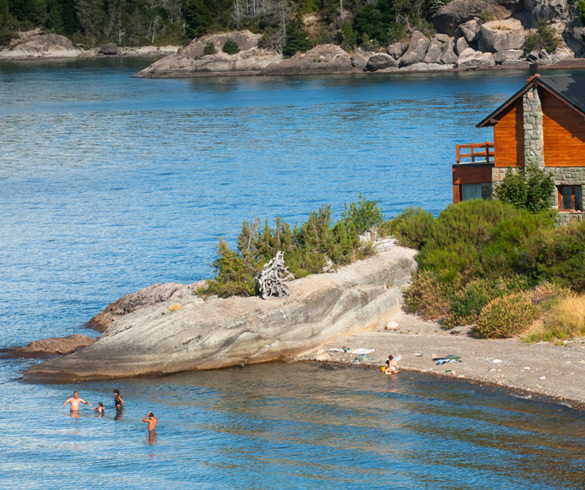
[75, 401]
[150, 419]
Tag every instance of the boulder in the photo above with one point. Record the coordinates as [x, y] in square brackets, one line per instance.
[55, 346]
[508, 55]
[396, 50]
[109, 49]
[218, 333]
[449, 17]
[469, 30]
[435, 49]
[380, 61]
[500, 35]
[461, 45]
[416, 50]
[359, 58]
[449, 57]
[325, 58]
[548, 10]
[427, 67]
[471, 59]
[541, 57]
[34, 44]
[157, 293]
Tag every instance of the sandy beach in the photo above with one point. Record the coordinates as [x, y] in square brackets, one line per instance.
[541, 370]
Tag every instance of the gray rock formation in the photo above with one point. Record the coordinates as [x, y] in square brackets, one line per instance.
[396, 50]
[508, 55]
[449, 57]
[448, 18]
[469, 30]
[157, 293]
[461, 45]
[471, 59]
[435, 50]
[574, 37]
[416, 50]
[380, 61]
[191, 61]
[325, 58]
[500, 35]
[33, 44]
[55, 346]
[110, 49]
[216, 333]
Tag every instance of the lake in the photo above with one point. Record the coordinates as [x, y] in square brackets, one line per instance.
[109, 184]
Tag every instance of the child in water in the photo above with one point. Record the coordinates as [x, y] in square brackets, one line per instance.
[100, 409]
[391, 366]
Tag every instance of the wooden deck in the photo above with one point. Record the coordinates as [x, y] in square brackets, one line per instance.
[476, 153]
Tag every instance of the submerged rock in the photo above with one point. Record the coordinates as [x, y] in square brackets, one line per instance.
[218, 333]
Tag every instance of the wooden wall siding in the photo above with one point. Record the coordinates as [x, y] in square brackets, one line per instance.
[509, 137]
[472, 174]
[564, 133]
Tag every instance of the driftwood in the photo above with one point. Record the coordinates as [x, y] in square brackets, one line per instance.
[270, 281]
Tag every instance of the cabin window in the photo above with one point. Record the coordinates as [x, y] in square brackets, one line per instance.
[570, 198]
[476, 191]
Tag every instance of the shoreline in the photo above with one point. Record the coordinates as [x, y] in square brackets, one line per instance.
[540, 372]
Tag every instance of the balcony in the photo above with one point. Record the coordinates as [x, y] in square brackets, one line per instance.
[475, 153]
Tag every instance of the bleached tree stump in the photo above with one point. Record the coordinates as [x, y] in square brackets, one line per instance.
[272, 277]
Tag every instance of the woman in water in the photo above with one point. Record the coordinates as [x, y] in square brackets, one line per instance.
[118, 400]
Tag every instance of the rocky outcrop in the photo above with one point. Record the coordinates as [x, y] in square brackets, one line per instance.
[192, 60]
[326, 58]
[34, 44]
[55, 346]
[216, 333]
[471, 59]
[157, 293]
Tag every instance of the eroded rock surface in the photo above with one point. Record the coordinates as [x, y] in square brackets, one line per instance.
[217, 333]
[157, 293]
[34, 44]
[55, 346]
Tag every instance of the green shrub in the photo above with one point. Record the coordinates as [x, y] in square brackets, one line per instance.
[364, 215]
[545, 38]
[210, 49]
[307, 248]
[412, 227]
[467, 303]
[230, 47]
[528, 188]
[505, 317]
[429, 295]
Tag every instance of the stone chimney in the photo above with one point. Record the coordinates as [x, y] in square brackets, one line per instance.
[533, 133]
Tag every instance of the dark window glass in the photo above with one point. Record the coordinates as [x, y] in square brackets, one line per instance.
[578, 197]
[566, 196]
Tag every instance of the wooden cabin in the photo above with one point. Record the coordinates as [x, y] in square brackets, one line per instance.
[542, 124]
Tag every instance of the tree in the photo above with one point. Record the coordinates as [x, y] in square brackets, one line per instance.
[296, 38]
[528, 188]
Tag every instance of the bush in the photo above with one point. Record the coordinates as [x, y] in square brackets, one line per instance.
[429, 295]
[467, 303]
[230, 47]
[210, 49]
[412, 227]
[528, 188]
[505, 317]
[363, 215]
[565, 319]
[307, 248]
[545, 38]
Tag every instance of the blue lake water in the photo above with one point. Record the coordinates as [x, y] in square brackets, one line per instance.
[110, 183]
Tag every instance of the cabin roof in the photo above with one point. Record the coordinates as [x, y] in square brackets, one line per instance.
[569, 88]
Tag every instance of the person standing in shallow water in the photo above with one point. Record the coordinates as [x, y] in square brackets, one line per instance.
[151, 420]
[118, 400]
[75, 401]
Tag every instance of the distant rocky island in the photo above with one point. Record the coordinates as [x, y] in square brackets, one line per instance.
[466, 35]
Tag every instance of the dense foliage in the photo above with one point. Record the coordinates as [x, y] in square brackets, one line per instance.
[545, 38]
[478, 254]
[528, 188]
[135, 22]
[307, 248]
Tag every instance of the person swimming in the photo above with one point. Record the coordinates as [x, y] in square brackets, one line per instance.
[100, 409]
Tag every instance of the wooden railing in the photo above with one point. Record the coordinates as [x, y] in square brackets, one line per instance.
[476, 153]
